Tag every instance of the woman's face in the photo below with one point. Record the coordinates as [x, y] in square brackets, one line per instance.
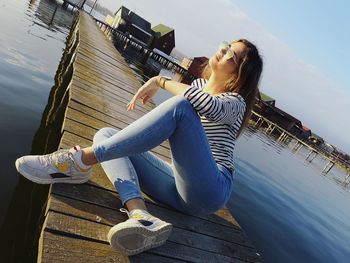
[225, 62]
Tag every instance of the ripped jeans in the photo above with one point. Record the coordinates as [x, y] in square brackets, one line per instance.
[193, 183]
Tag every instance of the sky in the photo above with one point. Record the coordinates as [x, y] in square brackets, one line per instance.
[305, 46]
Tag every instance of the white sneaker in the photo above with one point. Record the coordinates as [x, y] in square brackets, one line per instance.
[139, 233]
[58, 167]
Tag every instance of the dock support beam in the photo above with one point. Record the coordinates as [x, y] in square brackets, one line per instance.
[312, 155]
[328, 167]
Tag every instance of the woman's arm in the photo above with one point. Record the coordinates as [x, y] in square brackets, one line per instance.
[150, 88]
[174, 87]
[223, 110]
[226, 109]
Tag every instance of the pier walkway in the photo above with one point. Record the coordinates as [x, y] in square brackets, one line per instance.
[98, 85]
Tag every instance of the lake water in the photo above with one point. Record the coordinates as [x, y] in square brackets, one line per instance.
[32, 40]
[289, 209]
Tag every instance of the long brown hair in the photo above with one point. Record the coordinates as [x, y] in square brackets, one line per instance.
[245, 82]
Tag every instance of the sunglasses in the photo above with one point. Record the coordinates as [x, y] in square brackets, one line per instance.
[229, 52]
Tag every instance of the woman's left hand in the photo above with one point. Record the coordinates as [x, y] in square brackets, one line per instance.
[145, 93]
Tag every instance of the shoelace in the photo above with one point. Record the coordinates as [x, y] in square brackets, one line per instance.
[123, 210]
[136, 216]
[60, 157]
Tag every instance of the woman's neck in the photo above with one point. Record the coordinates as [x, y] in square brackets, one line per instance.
[214, 85]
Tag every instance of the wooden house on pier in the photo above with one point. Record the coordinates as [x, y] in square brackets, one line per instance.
[160, 37]
[266, 106]
[164, 38]
[133, 25]
[194, 67]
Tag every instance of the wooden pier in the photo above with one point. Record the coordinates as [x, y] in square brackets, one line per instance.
[97, 85]
[285, 136]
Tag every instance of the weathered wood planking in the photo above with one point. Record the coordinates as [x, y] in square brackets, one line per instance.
[78, 217]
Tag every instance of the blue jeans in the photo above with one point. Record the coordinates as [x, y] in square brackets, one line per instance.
[193, 183]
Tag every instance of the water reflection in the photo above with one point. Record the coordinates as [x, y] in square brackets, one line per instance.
[53, 15]
[33, 37]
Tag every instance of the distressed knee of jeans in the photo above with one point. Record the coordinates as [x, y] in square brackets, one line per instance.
[133, 174]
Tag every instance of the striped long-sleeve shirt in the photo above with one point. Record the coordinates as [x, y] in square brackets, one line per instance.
[221, 116]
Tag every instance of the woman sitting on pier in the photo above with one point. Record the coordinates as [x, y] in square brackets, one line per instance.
[201, 123]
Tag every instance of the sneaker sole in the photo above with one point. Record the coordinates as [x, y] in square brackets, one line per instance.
[68, 180]
[146, 238]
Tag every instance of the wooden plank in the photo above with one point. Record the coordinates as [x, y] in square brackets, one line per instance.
[107, 64]
[96, 114]
[91, 37]
[113, 109]
[68, 139]
[108, 55]
[111, 217]
[113, 85]
[109, 199]
[106, 46]
[64, 248]
[108, 74]
[81, 84]
[97, 76]
[85, 229]
[110, 67]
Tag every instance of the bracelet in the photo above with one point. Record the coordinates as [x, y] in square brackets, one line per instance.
[162, 85]
[165, 80]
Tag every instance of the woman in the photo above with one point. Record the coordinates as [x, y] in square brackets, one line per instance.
[201, 124]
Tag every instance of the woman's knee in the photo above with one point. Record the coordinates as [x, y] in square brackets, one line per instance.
[180, 101]
[182, 105]
[104, 133]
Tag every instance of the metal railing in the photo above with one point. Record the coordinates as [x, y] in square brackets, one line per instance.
[143, 48]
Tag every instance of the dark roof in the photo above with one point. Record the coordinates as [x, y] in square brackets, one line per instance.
[306, 128]
[196, 66]
[135, 19]
[200, 59]
[265, 97]
[162, 29]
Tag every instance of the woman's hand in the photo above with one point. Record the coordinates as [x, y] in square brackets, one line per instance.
[145, 93]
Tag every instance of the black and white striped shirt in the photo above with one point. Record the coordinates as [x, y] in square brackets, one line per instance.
[221, 116]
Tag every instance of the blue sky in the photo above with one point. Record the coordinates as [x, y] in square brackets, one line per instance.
[319, 31]
[305, 46]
